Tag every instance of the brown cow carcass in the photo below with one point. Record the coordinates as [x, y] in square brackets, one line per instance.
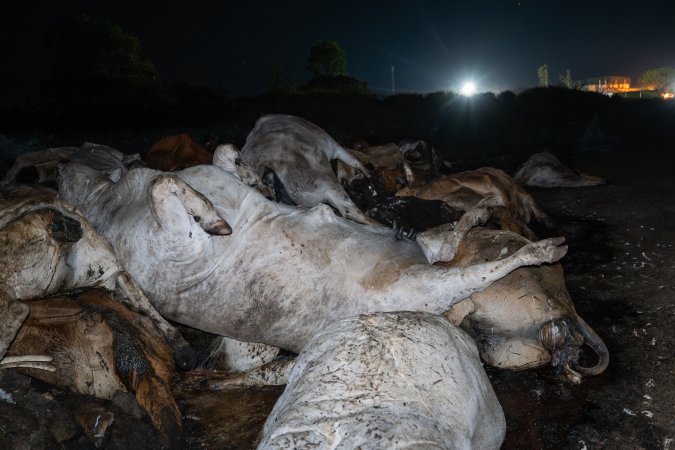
[176, 152]
[523, 320]
[97, 347]
[527, 318]
[488, 186]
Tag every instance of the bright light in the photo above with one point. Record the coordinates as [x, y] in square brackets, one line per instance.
[468, 89]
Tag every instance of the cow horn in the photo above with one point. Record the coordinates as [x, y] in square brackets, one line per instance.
[594, 342]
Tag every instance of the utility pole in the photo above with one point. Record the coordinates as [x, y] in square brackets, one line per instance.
[393, 88]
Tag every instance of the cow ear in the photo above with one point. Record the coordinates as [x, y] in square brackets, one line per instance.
[227, 158]
[167, 192]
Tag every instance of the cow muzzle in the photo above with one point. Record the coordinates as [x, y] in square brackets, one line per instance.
[563, 338]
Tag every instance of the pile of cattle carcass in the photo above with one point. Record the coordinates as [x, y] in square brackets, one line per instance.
[391, 303]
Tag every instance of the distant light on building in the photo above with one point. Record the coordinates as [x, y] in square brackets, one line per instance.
[608, 84]
[611, 85]
[468, 89]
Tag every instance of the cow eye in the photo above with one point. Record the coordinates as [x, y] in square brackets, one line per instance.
[197, 219]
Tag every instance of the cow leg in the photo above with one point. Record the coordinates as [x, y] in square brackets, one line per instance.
[409, 175]
[236, 356]
[533, 207]
[438, 288]
[339, 199]
[441, 243]
[228, 158]
[509, 223]
[349, 159]
[131, 295]
[274, 373]
[246, 174]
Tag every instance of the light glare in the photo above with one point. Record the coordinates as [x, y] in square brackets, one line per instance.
[468, 89]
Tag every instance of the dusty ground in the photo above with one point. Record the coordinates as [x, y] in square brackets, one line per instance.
[620, 270]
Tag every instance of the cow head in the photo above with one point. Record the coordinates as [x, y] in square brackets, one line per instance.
[526, 319]
[42, 248]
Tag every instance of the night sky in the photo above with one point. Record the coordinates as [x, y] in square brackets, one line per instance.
[434, 45]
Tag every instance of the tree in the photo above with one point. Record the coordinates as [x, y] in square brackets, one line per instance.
[328, 63]
[92, 61]
[661, 79]
[326, 58]
[276, 83]
[339, 84]
[542, 74]
[567, 80]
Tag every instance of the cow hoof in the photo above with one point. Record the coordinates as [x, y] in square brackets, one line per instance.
[186, 357]
[218, 228]
[545, 251]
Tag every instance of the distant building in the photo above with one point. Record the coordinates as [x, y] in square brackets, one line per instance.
[609, 83]
[617, 85]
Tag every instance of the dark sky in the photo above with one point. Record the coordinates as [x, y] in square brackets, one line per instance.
[433, 44]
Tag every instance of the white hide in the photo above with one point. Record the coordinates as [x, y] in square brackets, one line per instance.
[383, 381]
[299, 154]
[103, 158]
[545, 170]
[283, 274]
[45, 163]
[234, 356]
[228, 158]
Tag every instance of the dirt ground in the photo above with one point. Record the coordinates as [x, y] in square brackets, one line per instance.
[620, 271]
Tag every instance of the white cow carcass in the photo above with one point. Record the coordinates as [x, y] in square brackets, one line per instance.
[297, 154]
[284, 273]
[387, 380]
[36, 167]
[41, 166]
[545, 170]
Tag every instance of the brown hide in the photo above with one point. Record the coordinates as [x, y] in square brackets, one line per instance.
[98, 347]
[508, 318]
[464, 190]
[394, 179]
[176, 152]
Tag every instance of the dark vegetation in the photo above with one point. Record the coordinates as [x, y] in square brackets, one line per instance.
[484, 126]
[99, 84]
